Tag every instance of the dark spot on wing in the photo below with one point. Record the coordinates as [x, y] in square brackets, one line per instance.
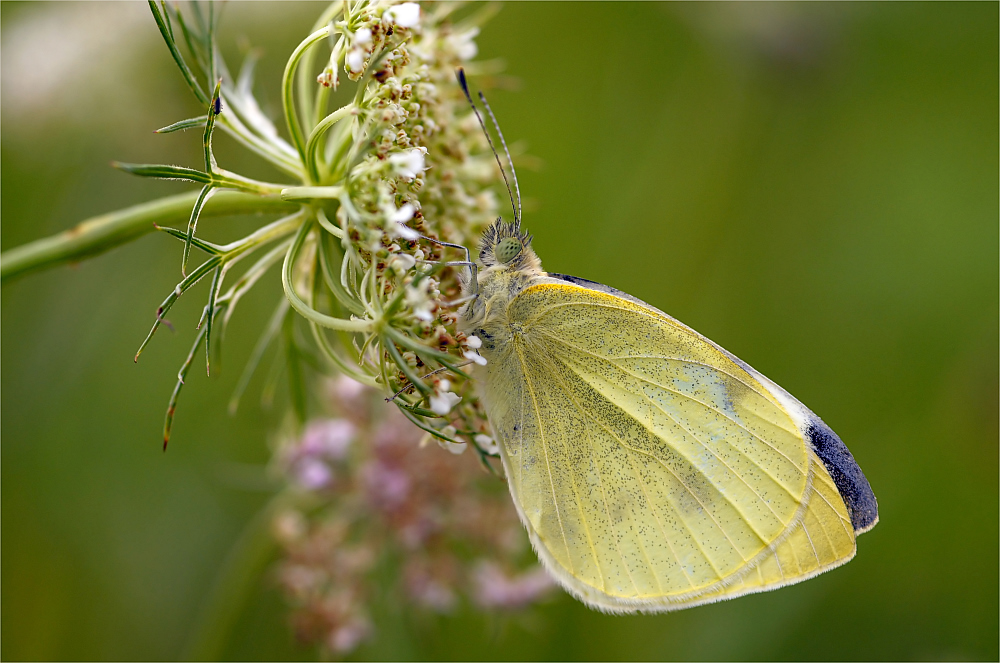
[486, 338]
[847, 476]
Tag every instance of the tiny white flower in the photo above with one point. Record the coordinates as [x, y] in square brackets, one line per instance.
[443, 403]
[355, 59]
[444, 385]
[418, 302]
[363, 37]
[473, 342]
[403, 262]
[477, 358]
[454, 447]
[463, 44]
[328, 78]
[406, 15]
[487, 444]
[409, 163]
[404, 231]
[403, 214]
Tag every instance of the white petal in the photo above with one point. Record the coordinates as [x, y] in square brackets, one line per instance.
[406, 15]
[473, 342]
[404, 231]
[409, 163]
[403, 214]
[479, 359]
[454, 447]
[465, 47]
[403, 262]
[363, 37]
[443, 402]
[355, 59]
[423, 312]
[487, 444]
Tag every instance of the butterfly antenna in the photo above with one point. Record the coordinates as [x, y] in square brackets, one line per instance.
[460, 73]
[510, 162]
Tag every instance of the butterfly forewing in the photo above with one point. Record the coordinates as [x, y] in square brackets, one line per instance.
[649, 467]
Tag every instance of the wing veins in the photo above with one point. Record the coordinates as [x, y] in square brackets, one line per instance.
[726, 497]
[826, 535]
[663, 531]
[520, 438]
[707, 448]
[551, 307]
[545, 448]
[691, 398]
[586, 525]
[812, 545]
[840, 518]
[690, 492]
[678, 359]
[659, 318]
[607, 510]
[777, 562]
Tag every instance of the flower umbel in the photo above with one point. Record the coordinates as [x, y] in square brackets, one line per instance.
[378, 195]
[382, 184]
[384, 177]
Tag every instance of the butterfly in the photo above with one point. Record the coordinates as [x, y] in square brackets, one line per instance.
[652, 469]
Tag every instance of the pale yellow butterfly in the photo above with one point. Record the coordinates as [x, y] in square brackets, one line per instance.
[652, 469]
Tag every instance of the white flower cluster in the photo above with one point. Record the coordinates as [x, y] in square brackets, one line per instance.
[423, 177]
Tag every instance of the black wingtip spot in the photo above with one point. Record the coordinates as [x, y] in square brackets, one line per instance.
[847, 476]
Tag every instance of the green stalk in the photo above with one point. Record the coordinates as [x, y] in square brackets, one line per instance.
[100, 233]
[288, 96]
[306, 311]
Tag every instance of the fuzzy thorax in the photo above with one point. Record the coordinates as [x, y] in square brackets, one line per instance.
[507, 265]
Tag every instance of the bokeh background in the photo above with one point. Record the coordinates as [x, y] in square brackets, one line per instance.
[813, 186]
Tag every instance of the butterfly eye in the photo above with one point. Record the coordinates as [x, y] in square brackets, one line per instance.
[507, 249]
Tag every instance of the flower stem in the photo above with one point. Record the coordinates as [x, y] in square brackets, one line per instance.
[288, 96]
[100, 233]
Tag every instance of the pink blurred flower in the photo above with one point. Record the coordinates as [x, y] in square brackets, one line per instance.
[312, 473]
[347, 637]
[386, 497]
[496, 589]
[387, 487]
[348, 395]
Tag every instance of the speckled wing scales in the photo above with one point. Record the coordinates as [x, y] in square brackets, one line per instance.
[653, 470]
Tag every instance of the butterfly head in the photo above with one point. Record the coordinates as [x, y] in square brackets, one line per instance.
[507, 265]
[506, 245]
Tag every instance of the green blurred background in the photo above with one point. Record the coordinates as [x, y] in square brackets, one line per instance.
[813, 186]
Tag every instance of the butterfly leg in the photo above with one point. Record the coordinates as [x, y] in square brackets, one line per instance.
[473, 267]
